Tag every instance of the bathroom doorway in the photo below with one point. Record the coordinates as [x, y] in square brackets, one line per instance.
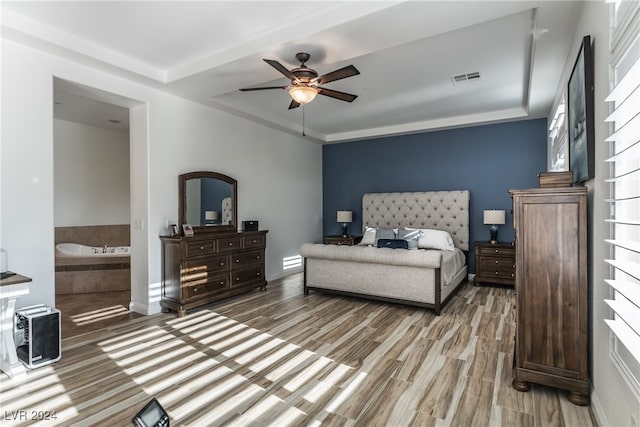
[91, 209]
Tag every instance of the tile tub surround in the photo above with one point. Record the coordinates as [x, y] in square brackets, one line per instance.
[93, 274]
[73, 279]
[94, 235]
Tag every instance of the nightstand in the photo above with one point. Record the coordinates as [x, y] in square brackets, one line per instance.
[495, 263]
[342, 240]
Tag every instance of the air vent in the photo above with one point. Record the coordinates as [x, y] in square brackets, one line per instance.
[460, 78]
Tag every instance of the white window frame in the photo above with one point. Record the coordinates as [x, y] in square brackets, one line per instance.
[624, 181]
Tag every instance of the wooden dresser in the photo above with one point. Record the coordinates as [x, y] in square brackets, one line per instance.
[551, 290]
[210, 266]
[495, 263]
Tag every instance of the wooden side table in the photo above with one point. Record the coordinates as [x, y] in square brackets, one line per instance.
[11, 288]
[342, 240]
[495, 263]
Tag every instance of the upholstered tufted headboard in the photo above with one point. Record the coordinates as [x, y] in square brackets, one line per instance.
[441, 210]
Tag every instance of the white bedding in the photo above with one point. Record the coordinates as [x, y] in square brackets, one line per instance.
[452, 262]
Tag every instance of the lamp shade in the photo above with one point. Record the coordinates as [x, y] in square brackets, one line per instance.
[303, 94]
[493, 217]
[210, 215]
[345, 216]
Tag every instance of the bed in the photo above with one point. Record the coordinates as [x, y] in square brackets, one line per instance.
[427, 276]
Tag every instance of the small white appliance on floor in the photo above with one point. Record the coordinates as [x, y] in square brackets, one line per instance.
[37, 335]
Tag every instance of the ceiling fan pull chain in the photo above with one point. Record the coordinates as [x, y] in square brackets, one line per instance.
[303, 134]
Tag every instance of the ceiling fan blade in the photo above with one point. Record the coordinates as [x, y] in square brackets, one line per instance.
[278, 66]
[342, 73]
[247, 89]
[337, 94]
[294, 104]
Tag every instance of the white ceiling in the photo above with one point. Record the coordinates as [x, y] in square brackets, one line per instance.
[406, 53]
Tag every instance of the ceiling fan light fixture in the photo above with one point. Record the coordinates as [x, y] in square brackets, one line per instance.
[303, 94]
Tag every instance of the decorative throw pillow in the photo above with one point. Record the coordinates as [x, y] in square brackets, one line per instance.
[385, 233]
[435, 239]
[411, 236]
[393, 243]
[369, 237]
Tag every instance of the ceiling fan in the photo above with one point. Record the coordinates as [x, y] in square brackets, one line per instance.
[305, 82]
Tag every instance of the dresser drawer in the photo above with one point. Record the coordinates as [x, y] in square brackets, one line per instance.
[197, 289]
[196, 267]
[229, 244]
[504, 263]
[204, 247]
[254, 241]
[487, 273]
[497, 251]
[242, 277]
[244, 259]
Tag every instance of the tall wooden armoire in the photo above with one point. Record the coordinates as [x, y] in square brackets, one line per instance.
[551, 290]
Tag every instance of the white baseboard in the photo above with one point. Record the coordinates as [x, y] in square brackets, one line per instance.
[154, 308]
[597, 410]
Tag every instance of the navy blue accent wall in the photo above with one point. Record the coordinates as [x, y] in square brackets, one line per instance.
[487, 160]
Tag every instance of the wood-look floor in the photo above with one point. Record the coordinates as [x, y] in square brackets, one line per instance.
[279, 358]
[86, 312]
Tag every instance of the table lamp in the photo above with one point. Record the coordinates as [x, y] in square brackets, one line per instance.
[494, 218]
[210, 217]
[345, 217]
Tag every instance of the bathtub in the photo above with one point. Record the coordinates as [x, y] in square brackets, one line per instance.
[78, 250]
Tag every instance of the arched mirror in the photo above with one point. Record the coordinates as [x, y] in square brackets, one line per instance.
[208, 201]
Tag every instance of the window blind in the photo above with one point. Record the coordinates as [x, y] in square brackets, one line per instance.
[625, 208]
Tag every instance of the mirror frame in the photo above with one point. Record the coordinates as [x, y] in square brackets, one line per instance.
[182, 194]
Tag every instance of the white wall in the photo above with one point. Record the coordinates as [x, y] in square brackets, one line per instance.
[279, 175]
[612, 400]
[90, 175]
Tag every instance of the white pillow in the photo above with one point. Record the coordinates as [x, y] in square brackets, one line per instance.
[369, 237]
[434, 239]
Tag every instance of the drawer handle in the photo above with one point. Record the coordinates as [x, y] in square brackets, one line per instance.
[497, 251]
[195, 289]
[230, 243]
[258, 274]
[237, 261]
[254, 241]
[497, 272]
[496, 262]
[222, 263]
[237, 279]
[202, 248]
[258, 257]
[222, 282]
